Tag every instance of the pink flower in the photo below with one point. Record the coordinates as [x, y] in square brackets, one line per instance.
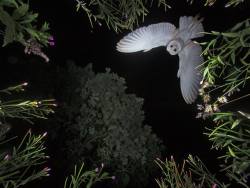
[7, 157]
[45, 134]
[25, 84]
[51, 41]
[214, 185]
[47, 169]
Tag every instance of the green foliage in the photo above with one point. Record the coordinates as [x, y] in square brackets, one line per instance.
[20, 23]
[202, 174]
[226, 72]
[21, 109]
[175, 176]
[117, 14]
[105, 125]
[229, 3]
[232, 132]
[125, 14]
[228, 56]
[21, 165]
[86, 178]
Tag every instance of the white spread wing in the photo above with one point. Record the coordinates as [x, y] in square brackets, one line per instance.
[146, 38]
[190, 27]
[189, 72]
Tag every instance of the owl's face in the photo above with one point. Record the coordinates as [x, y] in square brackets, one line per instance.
[175, 46]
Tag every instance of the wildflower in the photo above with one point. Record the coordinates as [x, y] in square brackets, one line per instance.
[97, 170]
[222, 99]
[206, 98]
[205, 115]
[51, 41]
[216, 108]
[214, 185]
[32, 46]
[208, 108]
[34, 104]
[199, 115]
[205, 85]
[7, 157]
[201, 91]
[113, 177]
[45, 134]
[102, 165]
[200, 107]
[47, 169]
[25, 84]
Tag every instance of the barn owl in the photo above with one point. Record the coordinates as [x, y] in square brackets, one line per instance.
[177, 41]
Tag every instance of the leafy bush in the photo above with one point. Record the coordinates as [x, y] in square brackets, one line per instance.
[105, 124]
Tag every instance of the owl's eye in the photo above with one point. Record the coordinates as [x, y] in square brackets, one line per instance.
[171, 46]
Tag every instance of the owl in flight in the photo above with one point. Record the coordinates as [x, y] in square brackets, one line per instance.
[177, 41]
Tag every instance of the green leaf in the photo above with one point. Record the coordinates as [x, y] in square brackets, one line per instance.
[205, 72]
[32, 32]
[45, 27]
[232, 56]
[231, 151]
[216, 33]
[230, 35]
[90, 183]
[29, 18]
[7, 20]
[237, 26]
[9, 3]
[9, 35]
[235, 123]
[20, 11]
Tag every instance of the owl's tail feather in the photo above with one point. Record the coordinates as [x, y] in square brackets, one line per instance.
[193, 25]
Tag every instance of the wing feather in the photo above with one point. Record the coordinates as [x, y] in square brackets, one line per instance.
[146, 38]
[190, 60]
[190, 27]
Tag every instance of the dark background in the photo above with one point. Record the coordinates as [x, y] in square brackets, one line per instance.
[151, 75]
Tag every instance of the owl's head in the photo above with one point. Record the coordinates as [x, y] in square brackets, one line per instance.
[175, 46]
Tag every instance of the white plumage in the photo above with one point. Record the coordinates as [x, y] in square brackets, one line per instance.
[177, 41]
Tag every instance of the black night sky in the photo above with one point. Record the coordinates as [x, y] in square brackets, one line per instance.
[151, 75]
